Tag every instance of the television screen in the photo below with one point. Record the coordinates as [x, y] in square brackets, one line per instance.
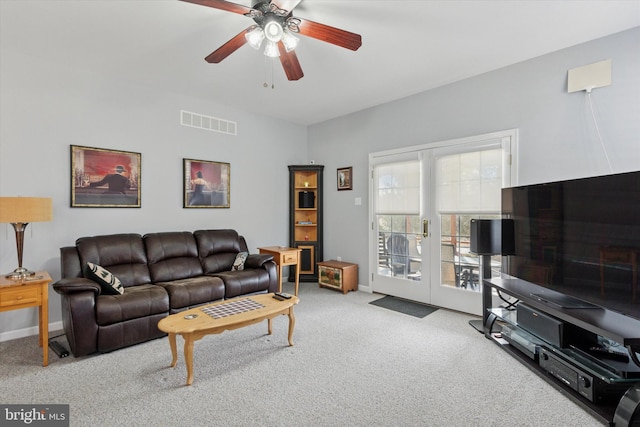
[580, 238]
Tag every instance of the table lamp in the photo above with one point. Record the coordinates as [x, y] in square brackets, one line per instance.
[19, 212]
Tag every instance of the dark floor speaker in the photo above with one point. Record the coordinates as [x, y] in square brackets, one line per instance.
[492, 236]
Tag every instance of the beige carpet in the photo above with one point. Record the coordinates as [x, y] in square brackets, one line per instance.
[353, 364]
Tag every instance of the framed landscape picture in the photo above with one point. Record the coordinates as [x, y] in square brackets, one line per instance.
[206, 184]
[103, 178]
[344, 178]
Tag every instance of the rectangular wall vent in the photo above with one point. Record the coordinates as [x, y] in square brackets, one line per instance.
[215, 124]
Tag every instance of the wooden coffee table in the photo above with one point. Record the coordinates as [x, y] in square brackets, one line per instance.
[225, 315]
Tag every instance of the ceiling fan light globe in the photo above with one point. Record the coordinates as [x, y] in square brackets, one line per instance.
[255, 37]
[271, 49]
[290, 41]
[273, 31]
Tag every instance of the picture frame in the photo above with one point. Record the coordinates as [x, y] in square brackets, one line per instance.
[345, 178]
[105, 178]
[207, 184]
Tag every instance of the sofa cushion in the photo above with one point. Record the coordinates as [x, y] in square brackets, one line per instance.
[244, 282]
[109, 283]
[122, 254]
[137, 301]
[123, 334]
[172, 256]
[218, 249]
[195, 291]
[238, 264]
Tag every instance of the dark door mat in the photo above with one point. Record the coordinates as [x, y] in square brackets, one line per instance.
[411, 308]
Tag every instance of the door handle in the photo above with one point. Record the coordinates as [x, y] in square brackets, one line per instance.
[425, 228]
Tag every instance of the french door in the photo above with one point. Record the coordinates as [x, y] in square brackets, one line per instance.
[423, 199]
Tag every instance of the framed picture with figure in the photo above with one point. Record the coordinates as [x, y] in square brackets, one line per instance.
[345, 178]
[103, 178]
[206, 184]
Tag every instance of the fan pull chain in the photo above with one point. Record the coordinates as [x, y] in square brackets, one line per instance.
[265, 84]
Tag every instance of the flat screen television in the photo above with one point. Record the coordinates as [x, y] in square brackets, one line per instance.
[580, 238]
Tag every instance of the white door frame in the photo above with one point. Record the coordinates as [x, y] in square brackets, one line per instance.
[411, 152]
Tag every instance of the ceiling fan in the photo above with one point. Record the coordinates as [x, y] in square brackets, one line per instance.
[274, 21]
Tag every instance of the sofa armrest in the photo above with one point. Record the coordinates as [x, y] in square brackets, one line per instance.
[257, 260]
[72, 285]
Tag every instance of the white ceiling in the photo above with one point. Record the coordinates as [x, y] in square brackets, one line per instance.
[408, 46]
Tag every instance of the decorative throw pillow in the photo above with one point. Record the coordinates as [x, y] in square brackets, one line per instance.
[238, 264]
[110, 284]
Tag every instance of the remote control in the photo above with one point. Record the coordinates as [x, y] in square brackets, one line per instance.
[608, 353]
[278, 297]
[283, 295]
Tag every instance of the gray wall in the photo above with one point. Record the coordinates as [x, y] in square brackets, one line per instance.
[557, 136]
[47, 107]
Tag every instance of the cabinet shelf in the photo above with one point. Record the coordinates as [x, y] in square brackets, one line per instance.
[305, 204]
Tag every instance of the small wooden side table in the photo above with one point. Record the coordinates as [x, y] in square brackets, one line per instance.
[283, 255]
[31, 291]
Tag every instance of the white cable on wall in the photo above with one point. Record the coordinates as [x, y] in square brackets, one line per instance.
[595, 122]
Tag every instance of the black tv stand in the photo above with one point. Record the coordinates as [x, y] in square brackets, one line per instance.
[605, 385]
[561, 300]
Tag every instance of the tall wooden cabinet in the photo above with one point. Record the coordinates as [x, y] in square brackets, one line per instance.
[305, 218]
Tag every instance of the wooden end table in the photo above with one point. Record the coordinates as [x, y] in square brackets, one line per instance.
[32, 291]
[198, 322]
[283, 255]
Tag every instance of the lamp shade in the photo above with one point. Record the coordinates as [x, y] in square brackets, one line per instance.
[25, 209]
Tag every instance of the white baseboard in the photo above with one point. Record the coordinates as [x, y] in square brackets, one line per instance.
[27, 332]
[365, 289]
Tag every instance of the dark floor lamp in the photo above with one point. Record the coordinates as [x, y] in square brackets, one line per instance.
[489, 237]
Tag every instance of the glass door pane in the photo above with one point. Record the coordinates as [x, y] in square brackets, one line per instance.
[397, 226]
[468, 181]
[399, 250]
[460, 267]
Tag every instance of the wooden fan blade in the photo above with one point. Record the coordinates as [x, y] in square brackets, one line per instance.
[229, 47]
[290, 63]
[329, 34]
[287, 5]
[222, 5]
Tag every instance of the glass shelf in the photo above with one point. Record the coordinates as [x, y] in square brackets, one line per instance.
[604, 370]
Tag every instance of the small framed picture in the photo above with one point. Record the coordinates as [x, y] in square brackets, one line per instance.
[102, 178]
[345, 178]
[206, 184]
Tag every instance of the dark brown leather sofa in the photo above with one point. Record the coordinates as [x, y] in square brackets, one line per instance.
[162, 273]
